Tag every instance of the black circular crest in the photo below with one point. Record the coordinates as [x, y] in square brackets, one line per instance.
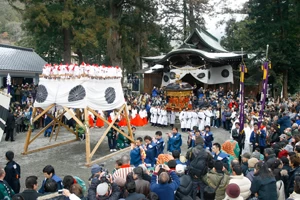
[77, 93]
[110, 95]
[166, 78]
[172, 75]
[201, 75]
[41, 94]
[225, 73]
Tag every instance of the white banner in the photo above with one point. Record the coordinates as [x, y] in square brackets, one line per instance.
[98, 94]
[4, 106]
[214, 75]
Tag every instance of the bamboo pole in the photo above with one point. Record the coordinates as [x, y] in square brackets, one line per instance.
[87, 138]
[50, 146]
[28, 136]
[40, 132]
[73, 116]
[59, 128]
[113, 126]
[108, 156]
[105, 132]
[43, 112]
[128, 123]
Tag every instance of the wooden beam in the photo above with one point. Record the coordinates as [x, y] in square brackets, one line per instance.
[40, 132]
[87, 138]
[28, 136]
[43, 112]
[105, 132]
[113, 126]
[56, 120]
[50, 146]
[73, 116]
[107, 156]
[128, 123]
[59, 129]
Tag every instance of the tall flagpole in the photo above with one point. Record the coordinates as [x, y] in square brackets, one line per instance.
[265, 67]
[243, 70]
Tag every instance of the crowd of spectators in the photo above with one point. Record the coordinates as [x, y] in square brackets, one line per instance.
[266, 164]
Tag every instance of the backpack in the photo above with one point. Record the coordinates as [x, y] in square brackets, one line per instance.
[80, 182]
[199, 165]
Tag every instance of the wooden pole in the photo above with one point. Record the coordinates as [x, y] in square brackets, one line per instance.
[43, 112]
[87, 138]
[73, 116]
[56, 120]
[59, 128]
[113, 126]
[50, 146]
[41, 131]
[128, 123]
[28, 136]
[108, 156]
[105, 132]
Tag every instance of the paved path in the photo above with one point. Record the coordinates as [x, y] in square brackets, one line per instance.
[70, 159]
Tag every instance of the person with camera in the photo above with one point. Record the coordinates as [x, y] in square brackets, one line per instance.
[103, 187]
[165, 183]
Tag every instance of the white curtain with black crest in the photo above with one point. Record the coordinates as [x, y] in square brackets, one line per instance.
[80, 93]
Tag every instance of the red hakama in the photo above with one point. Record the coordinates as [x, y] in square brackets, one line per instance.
[91, 121]
[99, 122]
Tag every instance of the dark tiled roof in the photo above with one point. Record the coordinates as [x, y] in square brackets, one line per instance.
[15, 58]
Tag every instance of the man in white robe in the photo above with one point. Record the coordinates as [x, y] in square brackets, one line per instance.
[194, 119]
[182, 120]
[172, 118]
[188, 120]
[164, 114]
[201, 118]
[208, 114]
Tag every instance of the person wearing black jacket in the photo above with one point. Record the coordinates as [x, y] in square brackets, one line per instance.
[13, 172]
[10, 125]
[185, 189]
[30, 193]
[107, 188]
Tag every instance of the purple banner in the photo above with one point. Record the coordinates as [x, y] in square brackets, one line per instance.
[263, 92]
[242, 97]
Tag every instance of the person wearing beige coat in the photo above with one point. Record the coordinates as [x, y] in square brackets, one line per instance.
[243, 182]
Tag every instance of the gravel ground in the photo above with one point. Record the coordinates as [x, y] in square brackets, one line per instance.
[70, 159]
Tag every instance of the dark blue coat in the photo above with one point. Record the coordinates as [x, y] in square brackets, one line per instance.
[160, 146]
[175, 142]
[262, 138]
[135, 157]
[284, 122]
[151, 154]
[57, 180]
[208, 138]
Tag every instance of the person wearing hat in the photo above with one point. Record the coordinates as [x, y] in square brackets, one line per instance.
[282, 137]
[154, 116]
[217, 178]
[103, 189]
[185, 188]
[244, 164]
[233, 192]
[192, 154]
[95, 171]
[250, 171]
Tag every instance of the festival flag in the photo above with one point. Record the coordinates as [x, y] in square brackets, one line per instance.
[243, 70]
[266, 66]
[8, 83]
